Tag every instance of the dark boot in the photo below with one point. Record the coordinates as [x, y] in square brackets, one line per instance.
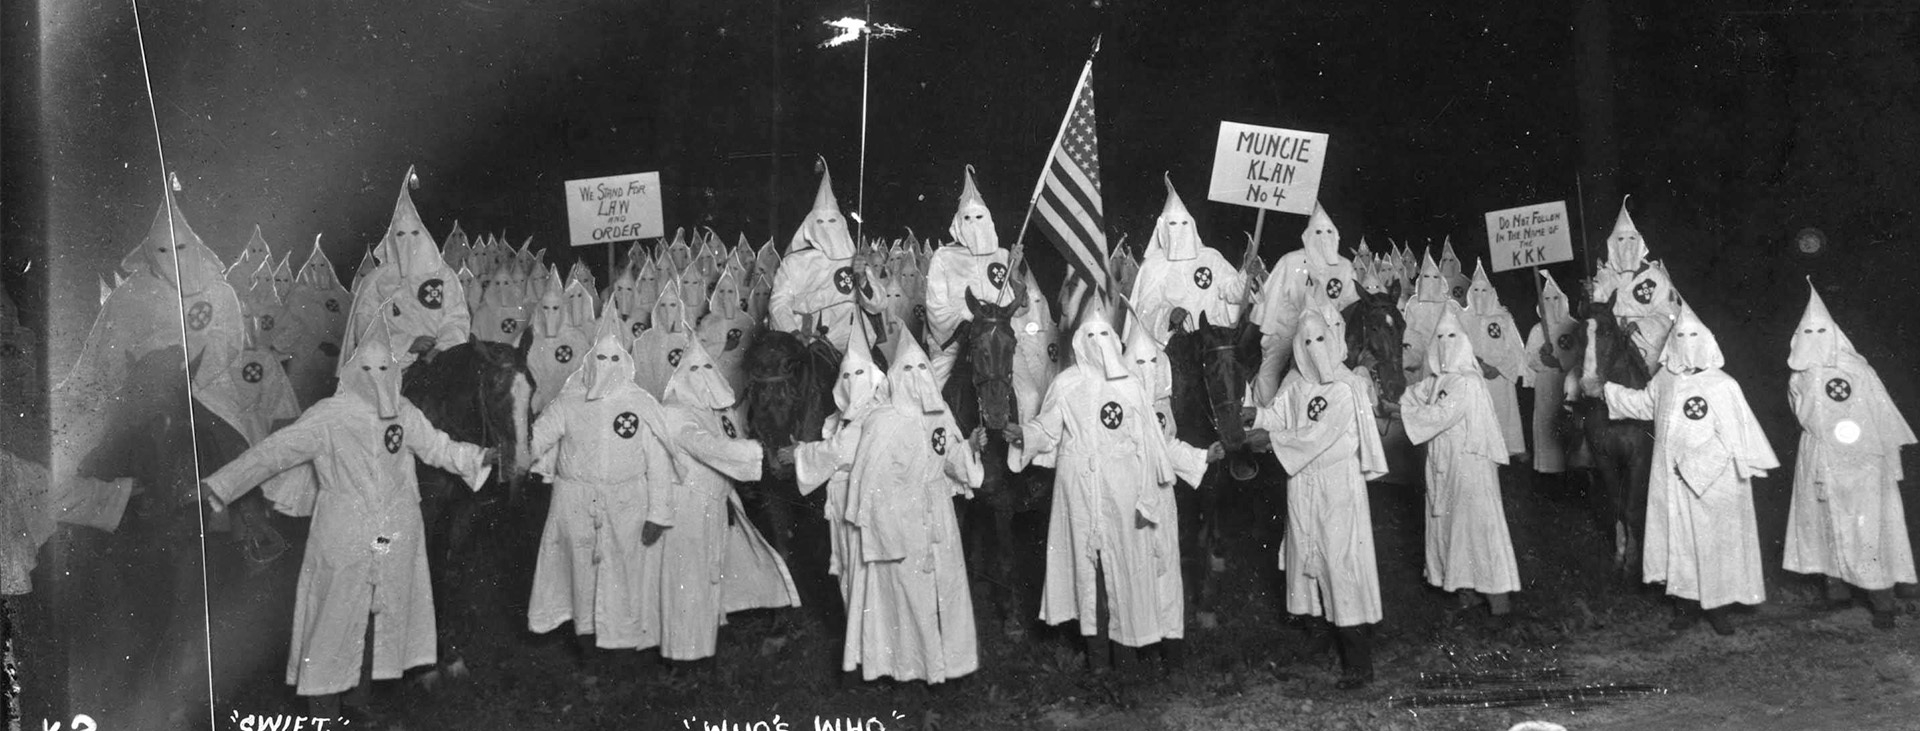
[1686, 614]
[1839, 596]
[1174, 654]
[1099, 654]
[1356, 657]
[1722, 625]
[1881, 602]
[1319, 639]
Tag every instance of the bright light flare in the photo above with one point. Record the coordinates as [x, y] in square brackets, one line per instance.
[851, 29]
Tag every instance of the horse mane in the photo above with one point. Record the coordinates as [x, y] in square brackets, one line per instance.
[789, 387]
[476, 373]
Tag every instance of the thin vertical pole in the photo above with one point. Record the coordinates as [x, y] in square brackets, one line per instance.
[866, 58]
[1259, 226]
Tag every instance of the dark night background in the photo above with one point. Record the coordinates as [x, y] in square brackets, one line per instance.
[1732, 125]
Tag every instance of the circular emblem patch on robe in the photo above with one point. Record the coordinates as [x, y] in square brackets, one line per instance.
[1111, 415]
[673, 357]
[626, 424]
[563, 354]
[1695, 408]
[1315, 408]
[396, 436]
[1565, 341]
[1459, 292]
[1839, 389]
[1203, 277]
[726, 425]
[200, 315]
[333, 305]
[636, 328]
[939, 440]
[1053, 352]
[431, 293]
[843, 280]
[1493, 330]
[1162, 418]
[997, 275]
[1643, 292]
[508, 325]
[266, 322]
[252, 372]
[1335, 286]
[733, 338]
[920, 312]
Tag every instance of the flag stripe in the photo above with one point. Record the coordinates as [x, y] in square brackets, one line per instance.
[1084, 190]
[1049, 225]
[1091, 208]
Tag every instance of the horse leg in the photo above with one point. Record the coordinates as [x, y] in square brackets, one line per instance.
[1640, 471]
[1613, 478]
[1001, 549]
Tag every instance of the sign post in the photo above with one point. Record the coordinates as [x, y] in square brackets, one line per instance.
[613, 209]
[1268, 168]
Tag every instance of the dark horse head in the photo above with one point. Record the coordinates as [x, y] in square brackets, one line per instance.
[1375, 334]
[1209, 367]
[789, 387]
[1615, 358]
[980, 388]
[479, 392]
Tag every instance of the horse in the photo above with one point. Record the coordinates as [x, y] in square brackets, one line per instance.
[477, 392]
[1211, 365]
[789, 395]
[1376, 334]
[980, 391]
[1622, 449]
[153, 579]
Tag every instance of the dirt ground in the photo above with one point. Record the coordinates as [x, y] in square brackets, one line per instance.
[1791, 666]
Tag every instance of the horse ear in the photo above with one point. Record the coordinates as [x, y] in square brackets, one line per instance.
[973, 303]
[1203, 321]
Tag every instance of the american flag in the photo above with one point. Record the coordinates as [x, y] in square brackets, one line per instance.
[1068, 197]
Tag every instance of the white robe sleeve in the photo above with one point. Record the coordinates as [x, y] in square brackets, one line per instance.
[297, 444]
[547, 430]
[1629, 403]
[435, 448]
[1303, 444]
[962, 464]
[1042, 433]
[946, 308]
[1424, 420]
[816, 462]
[740, 459]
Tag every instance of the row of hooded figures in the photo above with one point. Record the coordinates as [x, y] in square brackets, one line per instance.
[882, 404]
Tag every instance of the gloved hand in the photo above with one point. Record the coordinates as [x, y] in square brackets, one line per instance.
[651, 532]
[422, 344]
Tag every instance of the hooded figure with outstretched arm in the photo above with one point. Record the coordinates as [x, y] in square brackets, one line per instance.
[1702, 539]
[715, 562]
[1321, 427]
[366, 556]
[1468, 547]
[600, 442]
[1847, 521]
[1113, 544]
[860, 389]
[915, 620]
[1317, 267]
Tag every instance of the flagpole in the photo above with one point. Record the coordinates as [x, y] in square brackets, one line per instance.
[1086, 75]
[866, 61]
